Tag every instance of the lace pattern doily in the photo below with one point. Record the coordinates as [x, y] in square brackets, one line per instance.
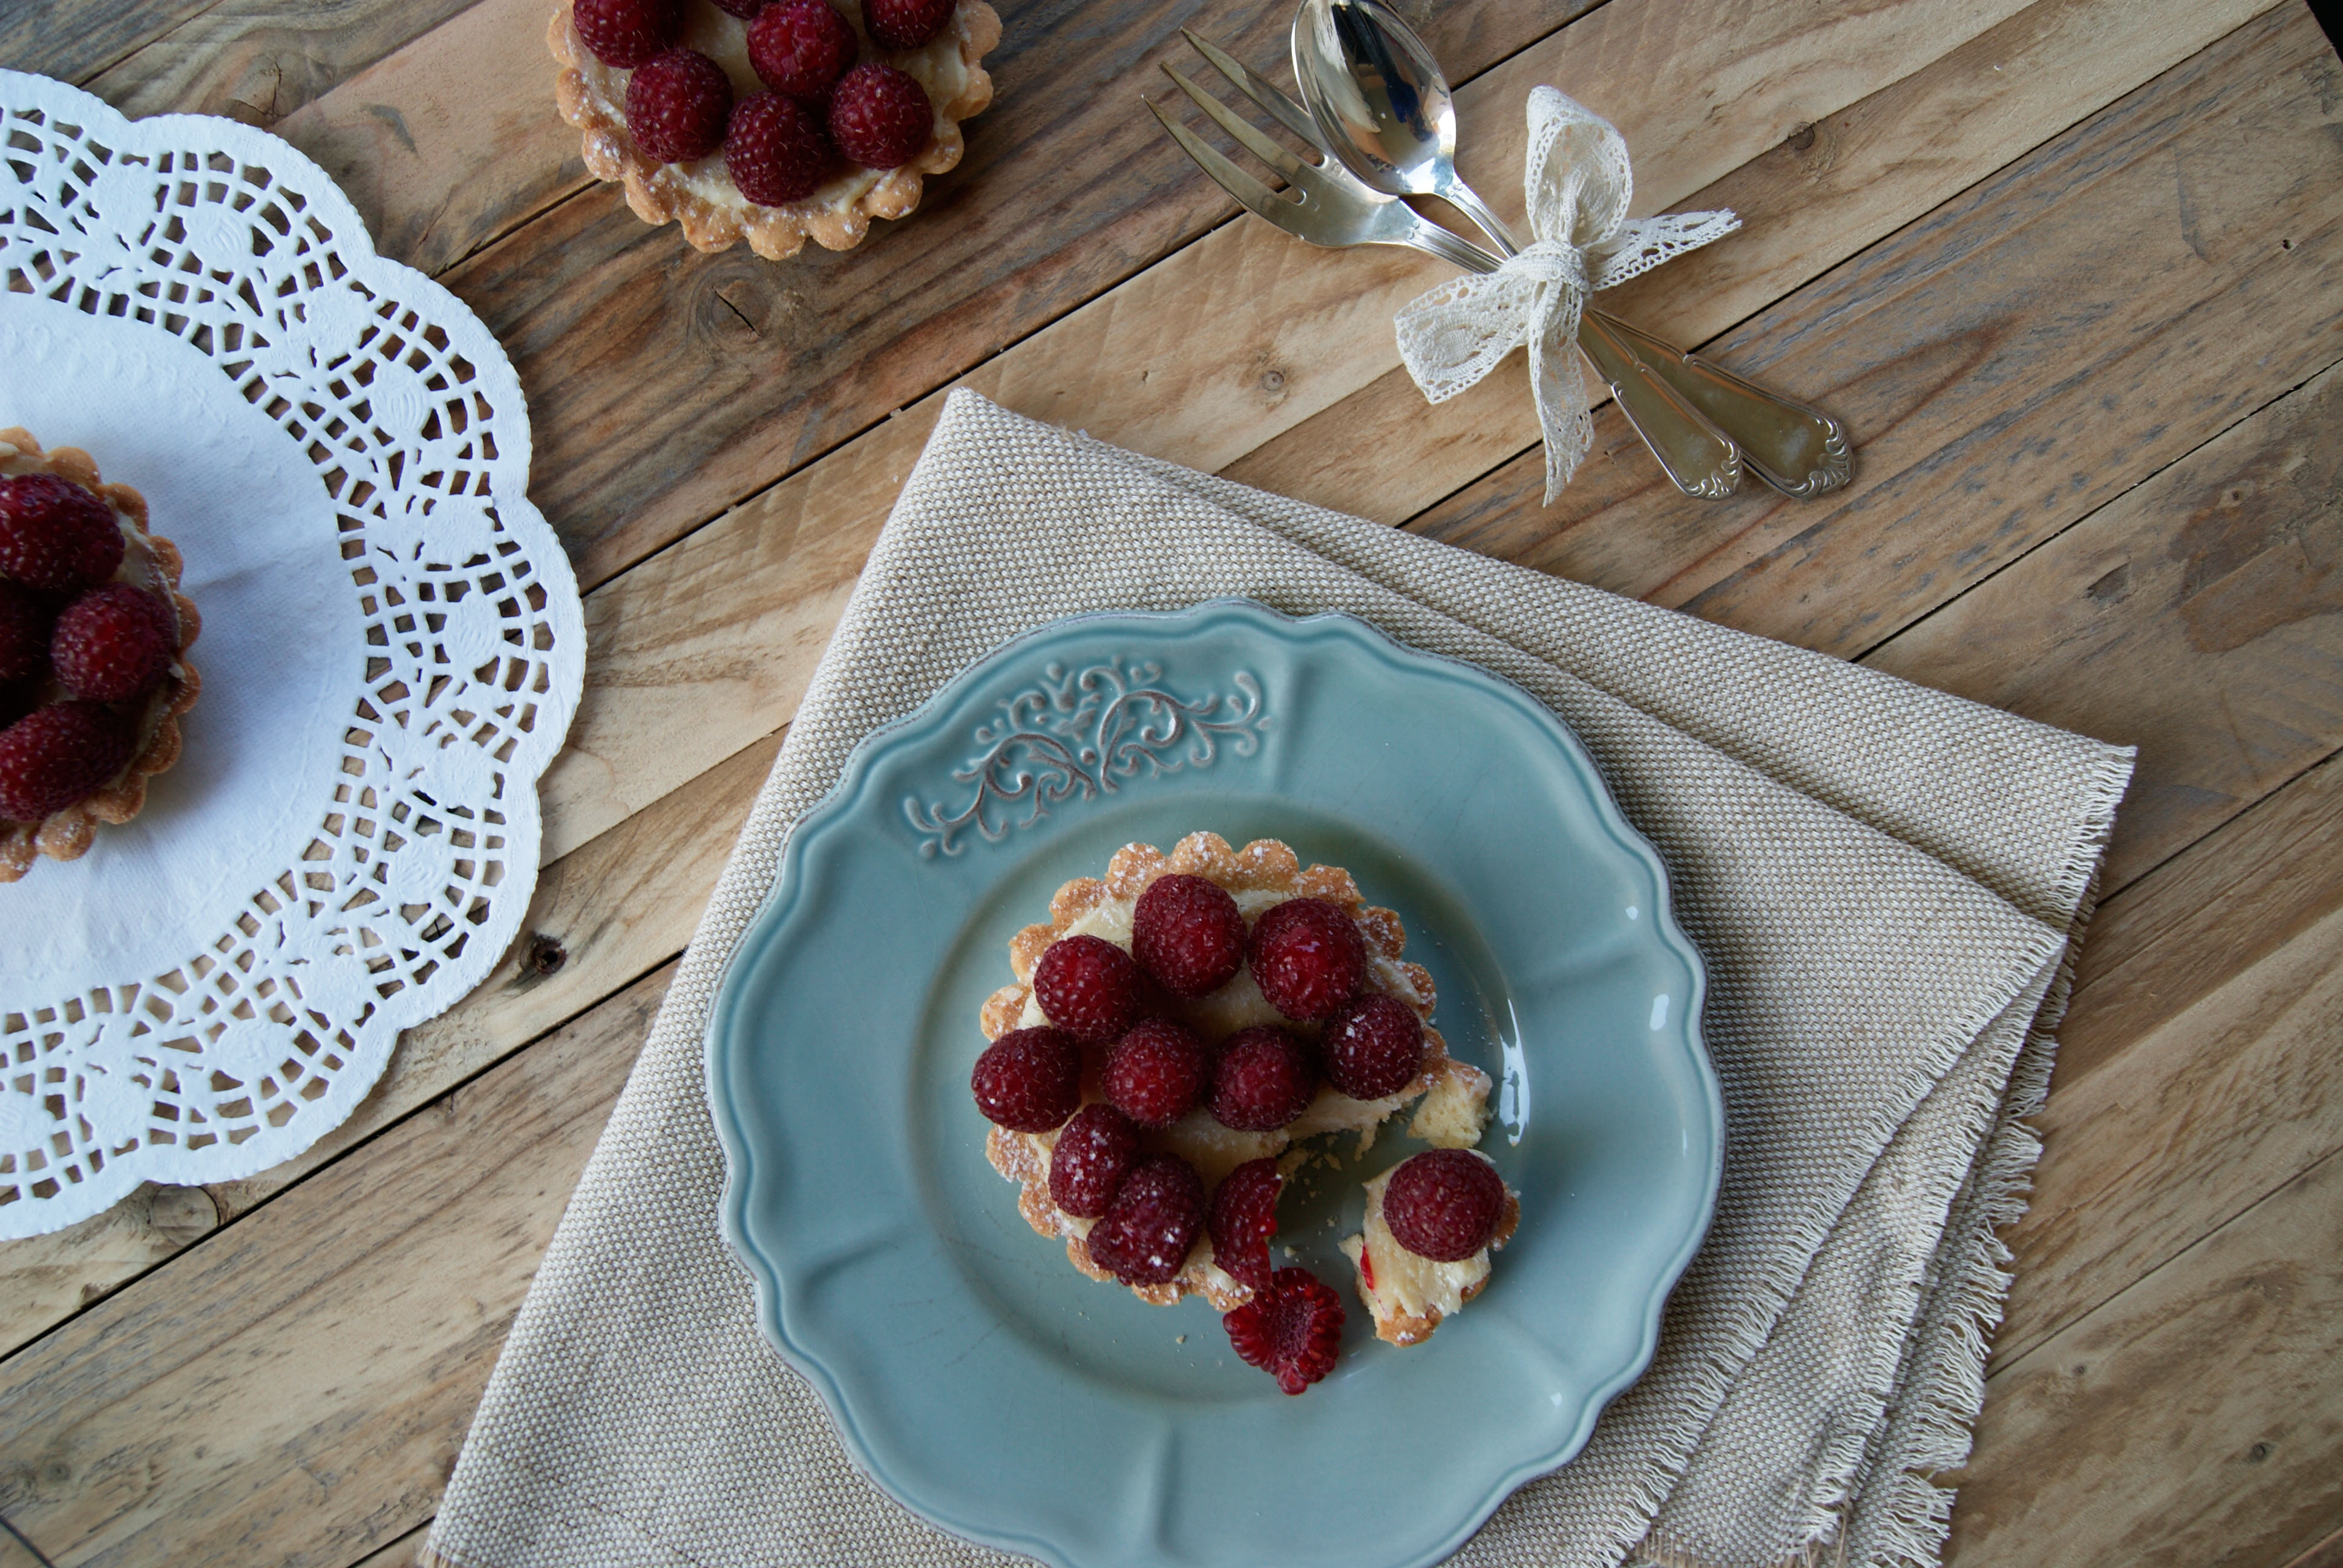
[244, 1032]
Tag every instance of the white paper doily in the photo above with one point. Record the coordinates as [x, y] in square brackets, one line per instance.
[391, 653]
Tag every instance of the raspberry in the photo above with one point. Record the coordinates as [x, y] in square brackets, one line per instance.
[113, 643]
[905, 24]
[1374, 1046]
[676, 105]
[1156, 1073]
[880, 118]
[1444, 1204]
[776, 150]
[54, 535]
[1154, 1219]
[801, 47]
[1187, 934]
[1094, 1153]
[1293, 1329]
[1263, 1080]
[24, 620]
[1029, 1080]
[58, 755]
[1089, 988]
[626, 33]
[1243, 1218]
[1307, 957]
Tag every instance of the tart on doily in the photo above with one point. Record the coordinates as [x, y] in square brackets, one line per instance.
[772, 121]
[1175, 1034]
[94, 636]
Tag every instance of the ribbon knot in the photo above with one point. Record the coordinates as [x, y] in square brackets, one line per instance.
[1577, 182]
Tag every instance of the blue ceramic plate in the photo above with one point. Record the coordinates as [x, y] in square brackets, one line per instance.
[969, 1370]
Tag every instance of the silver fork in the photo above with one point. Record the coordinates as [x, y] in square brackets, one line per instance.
[1661, 391]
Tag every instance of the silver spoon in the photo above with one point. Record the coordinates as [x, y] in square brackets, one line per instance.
[1384, 110]
[1379, 95]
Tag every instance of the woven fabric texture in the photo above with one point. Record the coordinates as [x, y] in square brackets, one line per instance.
[1886, 881]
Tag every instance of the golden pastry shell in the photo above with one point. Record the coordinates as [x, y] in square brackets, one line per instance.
[659, 193]
[66, 834]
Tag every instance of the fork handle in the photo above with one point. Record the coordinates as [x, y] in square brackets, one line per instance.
[1799, 450]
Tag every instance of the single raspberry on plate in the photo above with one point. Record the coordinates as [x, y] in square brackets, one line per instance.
[677, 104]
[1293, 1330]
[1444, 1204]
[58, 755]
[776, 150]
[1089, 988]
[801, 47]
[1094, 1152]
[879, 116]
[1155, 1217]
[1187, 933]
[25, 617]
[1242, 1219]
[1307, 957]
[56, 536]
[1156, 1073]
[113, 643]
[1029, 1080]
[1374, 1046]
[1263, 1080]
[624, 34]
[905, 24]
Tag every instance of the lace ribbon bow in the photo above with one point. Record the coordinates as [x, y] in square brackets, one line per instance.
[1578, 183]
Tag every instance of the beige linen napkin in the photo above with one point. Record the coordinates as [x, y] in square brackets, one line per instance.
[1884, 882]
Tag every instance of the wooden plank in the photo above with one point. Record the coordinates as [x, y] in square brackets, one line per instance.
[399, 1553]
[259, 60]
[1830, 188]
[2325, 1554]
[2196, 1418]
[2199, 616]
[13, 1552]
[2064, 298]
[644, 718]
[2158, 1139]
[295, 1389]
[73, 40]
[658, 402]
[600, 917]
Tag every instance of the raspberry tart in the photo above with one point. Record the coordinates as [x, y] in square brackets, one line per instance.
[1176, 1035]
[94, 636]
[772, 121]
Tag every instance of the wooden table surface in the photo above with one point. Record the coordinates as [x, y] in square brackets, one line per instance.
[2072, 272]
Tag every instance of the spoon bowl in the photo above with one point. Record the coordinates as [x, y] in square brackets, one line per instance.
[1379, 94]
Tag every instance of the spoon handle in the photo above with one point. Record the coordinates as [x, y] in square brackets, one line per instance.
[1467, 200]
[1799, 450]
[1698, 458]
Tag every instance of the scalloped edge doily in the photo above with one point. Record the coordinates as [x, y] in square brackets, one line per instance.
[259, 1038]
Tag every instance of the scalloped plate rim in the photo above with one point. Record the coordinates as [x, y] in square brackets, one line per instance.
[739, 1162]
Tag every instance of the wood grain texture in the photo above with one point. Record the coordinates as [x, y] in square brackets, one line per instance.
[711, 640]
[1827, 190]
[2117, 314]
[2198, 1114]
[2195, 1419]
[607, 323]
[2199, 616]
[296, 1390]
[73, 40]
[257, 61]
[44, 1280]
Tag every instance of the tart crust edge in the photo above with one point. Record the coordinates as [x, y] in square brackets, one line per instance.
[67, 834]
[658, 197]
